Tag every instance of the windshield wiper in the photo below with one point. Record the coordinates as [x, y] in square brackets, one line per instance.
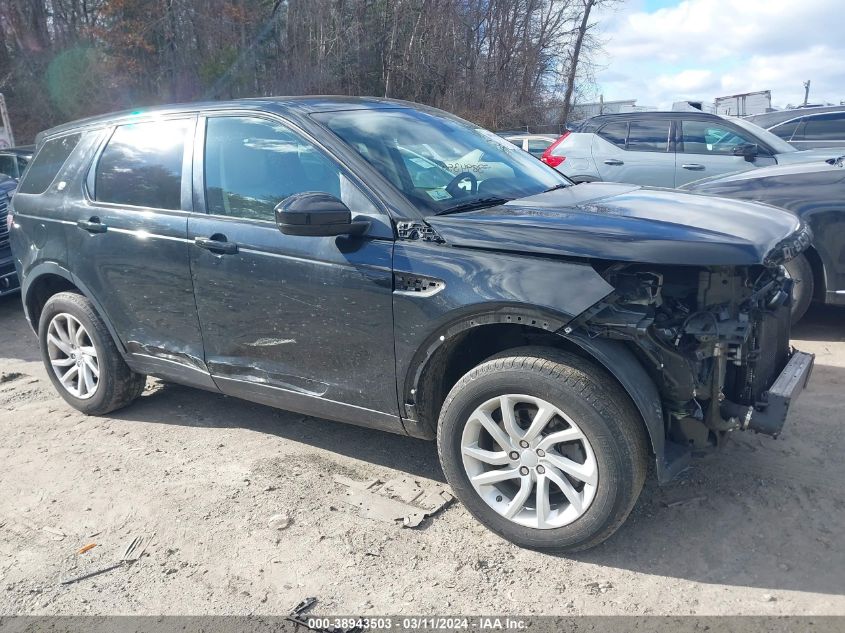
[480, 203]
[562, 185]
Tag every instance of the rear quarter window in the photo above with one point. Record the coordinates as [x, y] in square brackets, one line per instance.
[141, 165]
[47, 163]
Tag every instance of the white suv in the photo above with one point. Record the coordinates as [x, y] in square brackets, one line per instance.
[667, 149]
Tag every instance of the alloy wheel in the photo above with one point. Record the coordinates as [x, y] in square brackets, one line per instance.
[529, 461]
[73, 356]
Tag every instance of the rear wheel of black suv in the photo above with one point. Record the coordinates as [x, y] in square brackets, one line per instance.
[81, 358]
[544, 448]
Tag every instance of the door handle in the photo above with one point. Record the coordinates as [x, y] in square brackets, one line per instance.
[217, 244]
[693, 167]
[92, 225]
[614, 162]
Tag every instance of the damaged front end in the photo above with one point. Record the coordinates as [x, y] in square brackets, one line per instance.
[714, 339]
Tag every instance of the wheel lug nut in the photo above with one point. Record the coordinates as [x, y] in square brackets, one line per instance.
[540, 469]
[541, 452]
[523, 470]
[514, 455]
[523, 444]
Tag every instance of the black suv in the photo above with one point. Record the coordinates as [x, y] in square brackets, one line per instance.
[392, 266]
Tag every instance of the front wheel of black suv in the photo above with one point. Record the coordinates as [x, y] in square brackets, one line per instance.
[801, 273]
[81, 358]
[544, 448]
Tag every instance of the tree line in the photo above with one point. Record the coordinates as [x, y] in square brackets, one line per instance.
[500, 63]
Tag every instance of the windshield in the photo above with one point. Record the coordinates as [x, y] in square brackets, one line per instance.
[775, 142]
[442, 164]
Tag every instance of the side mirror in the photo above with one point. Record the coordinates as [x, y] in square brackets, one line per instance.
[747, 150]
[316, 214]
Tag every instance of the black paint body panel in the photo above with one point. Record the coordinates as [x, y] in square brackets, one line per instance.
[624, 223]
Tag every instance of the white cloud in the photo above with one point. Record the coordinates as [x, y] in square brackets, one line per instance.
[706, 48]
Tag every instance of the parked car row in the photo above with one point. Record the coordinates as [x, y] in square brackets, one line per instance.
[390, 265]
[806, 127]
[731, 157]
[668, 149]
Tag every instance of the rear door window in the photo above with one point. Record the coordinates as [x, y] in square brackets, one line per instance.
[47, 163]
[616, 133]
[141, 165]
[648, 136]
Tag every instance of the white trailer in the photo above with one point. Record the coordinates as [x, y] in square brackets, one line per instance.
[744, 104]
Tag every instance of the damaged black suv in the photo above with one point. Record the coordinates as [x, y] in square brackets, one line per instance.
[392, 266]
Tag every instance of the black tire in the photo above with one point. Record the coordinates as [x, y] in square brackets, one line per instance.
[599, 406]
[117, 385]
[801, 273]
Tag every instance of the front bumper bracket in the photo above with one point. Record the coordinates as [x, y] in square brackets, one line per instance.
[769, 415]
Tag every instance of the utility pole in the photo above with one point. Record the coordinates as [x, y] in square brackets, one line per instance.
[806, 92]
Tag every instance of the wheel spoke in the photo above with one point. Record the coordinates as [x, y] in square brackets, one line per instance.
[71, 330]
[87, 377]
[69, 375]
[62, 362]
[518, 502]
[542, 501]
[541, 419]
[567, 435]
[493, 429]
[88, 351]
[61, 332]
[64, 347]
[92, 366]
[80, 381]
[494, 458]
[585, 472]
[567, 488]
[80, 335]
[495, 476]
[506, 404]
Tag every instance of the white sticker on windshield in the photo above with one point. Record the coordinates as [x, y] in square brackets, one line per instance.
[439, 194]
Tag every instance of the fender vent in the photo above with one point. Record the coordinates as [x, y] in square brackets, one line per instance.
[407, 284]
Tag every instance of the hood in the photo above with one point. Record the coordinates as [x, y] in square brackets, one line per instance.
[626, 223]
[808, 155]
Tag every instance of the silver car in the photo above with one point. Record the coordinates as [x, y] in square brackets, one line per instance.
[668, 149]
[806, 128]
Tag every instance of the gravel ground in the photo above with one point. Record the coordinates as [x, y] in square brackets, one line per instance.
[755, 529]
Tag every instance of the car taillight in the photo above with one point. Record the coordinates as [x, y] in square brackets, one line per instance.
[550, 159]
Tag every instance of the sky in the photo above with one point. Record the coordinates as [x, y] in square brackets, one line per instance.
[660, 51]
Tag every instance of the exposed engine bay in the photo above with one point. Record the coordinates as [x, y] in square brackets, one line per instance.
[715, 340]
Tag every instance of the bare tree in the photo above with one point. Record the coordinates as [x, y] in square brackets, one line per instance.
[496, 62]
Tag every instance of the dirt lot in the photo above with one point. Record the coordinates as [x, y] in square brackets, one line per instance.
[760, 529]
